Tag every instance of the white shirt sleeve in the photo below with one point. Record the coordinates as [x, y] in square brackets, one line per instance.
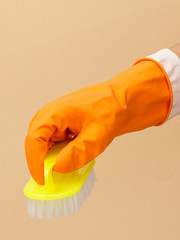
[171, 64]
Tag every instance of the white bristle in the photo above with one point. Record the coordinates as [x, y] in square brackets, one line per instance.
[59, 208]
[76, 207]
[93, 175]
[86, 190]
[71, 204]
[49, 208]
[66, 209]
[68, 205]
[78, 200]
[81, 197]
[40, 208]
[31, 207]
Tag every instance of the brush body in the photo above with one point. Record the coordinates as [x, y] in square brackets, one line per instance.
[63, 193]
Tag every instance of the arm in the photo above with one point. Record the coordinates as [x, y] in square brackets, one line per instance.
[176, 49]
[144, 95]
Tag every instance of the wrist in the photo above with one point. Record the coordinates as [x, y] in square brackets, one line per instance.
[170, 63]
[143, 94]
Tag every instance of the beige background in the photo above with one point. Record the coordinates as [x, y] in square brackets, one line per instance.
[50, 48]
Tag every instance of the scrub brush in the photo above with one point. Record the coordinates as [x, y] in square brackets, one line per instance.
[62, 193]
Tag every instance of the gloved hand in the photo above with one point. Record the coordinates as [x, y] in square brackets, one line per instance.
[135, 99]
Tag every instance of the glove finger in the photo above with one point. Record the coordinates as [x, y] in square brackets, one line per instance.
[42, 133]
[36, 149]
[32, 120]
[84, 148]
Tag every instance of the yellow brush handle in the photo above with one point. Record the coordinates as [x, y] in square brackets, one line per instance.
[48, 166]
[50, 160]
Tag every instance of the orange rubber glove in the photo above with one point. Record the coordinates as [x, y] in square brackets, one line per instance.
[137, 98]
